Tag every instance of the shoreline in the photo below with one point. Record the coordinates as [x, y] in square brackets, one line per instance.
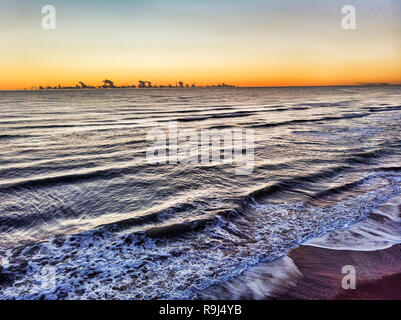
[378, 274]
[377, 263]
[313, 270]
[313, 273]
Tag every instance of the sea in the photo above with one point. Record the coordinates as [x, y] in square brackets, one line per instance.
[85, 215]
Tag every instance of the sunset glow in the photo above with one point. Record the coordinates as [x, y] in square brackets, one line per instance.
[253, 43]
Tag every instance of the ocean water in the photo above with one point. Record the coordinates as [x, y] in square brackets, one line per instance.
[77, 194]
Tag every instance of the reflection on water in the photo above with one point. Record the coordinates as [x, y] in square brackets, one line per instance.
[76, 188]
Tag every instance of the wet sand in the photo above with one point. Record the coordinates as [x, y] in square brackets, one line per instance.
[378, 274]
[368, 247]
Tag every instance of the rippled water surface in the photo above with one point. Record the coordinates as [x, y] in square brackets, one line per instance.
[76, 191]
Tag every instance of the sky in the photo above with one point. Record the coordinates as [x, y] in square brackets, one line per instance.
[246, 43]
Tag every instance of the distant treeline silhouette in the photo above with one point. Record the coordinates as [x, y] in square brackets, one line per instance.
[141, 84]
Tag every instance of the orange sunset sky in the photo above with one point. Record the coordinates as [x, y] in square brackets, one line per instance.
[246, 43]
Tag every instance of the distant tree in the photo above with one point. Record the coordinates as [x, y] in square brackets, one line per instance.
[108, 84]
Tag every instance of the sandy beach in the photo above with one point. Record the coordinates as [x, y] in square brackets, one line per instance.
[377, 263]
[312, 273]
[378, 274]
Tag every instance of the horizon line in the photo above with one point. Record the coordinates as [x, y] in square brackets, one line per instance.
[383, 84]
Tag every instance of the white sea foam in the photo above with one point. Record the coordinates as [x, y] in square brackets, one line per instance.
[260, 282]
[381, 230]
[109, 265]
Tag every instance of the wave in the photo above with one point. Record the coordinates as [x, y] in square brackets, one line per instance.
[384, 109]
[237, 114]
[14, 136]
[118, 265]
[46, 181]
[297, 121]
[291, 183]
[380, 230]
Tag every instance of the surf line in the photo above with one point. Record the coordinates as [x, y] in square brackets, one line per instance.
[171, 310]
